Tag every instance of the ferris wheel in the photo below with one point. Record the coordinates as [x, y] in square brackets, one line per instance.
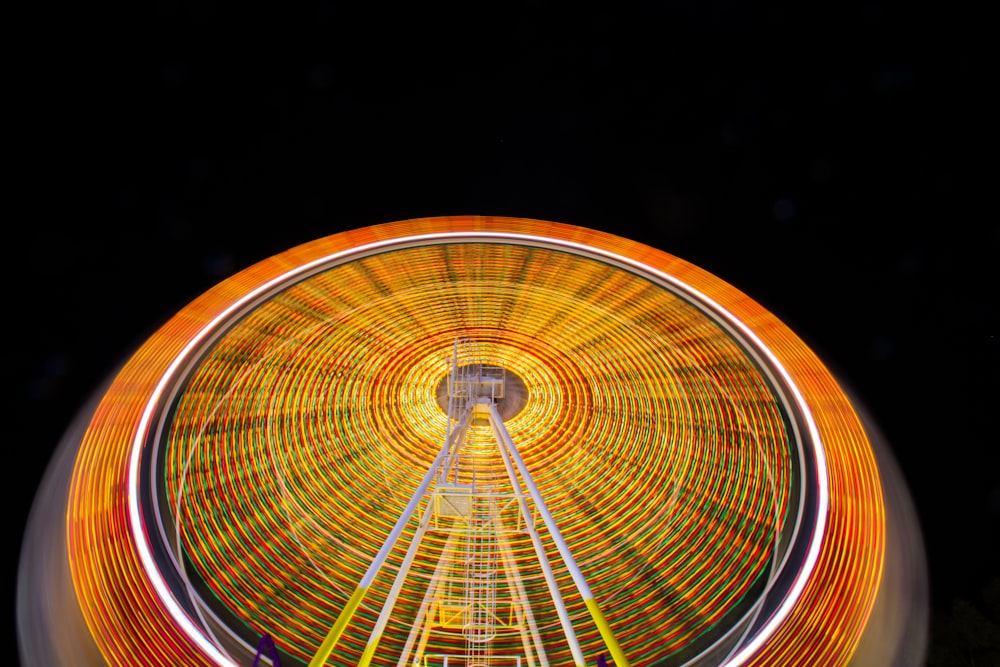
[472, 442]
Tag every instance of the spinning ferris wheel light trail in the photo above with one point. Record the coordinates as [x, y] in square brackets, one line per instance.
[639, 466]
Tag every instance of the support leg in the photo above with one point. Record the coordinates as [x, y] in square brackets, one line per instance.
[574, 569]
[330, 642]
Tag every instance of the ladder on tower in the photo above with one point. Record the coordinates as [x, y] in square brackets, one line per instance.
[482, 559]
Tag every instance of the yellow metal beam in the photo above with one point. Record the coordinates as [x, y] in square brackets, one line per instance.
[338, 628]
[605, 630]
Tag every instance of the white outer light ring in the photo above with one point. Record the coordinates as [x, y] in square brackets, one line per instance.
[144, 547]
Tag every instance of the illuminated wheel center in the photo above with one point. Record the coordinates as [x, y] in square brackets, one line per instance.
[515, 395]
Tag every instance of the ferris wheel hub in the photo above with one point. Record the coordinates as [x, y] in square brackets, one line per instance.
[515, 395]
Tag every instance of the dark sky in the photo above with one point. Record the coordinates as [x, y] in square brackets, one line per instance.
[825, 160]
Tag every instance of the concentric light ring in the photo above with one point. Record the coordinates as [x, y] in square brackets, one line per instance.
[776, 351]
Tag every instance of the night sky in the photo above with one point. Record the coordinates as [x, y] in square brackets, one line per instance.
[826, 161]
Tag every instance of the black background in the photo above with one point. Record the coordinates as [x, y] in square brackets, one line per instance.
[829, 160]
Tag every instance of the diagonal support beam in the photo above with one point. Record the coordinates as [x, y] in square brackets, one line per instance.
[567, 556]
[421, 618]
[330, 642]
[527, 616]
[499, 432]
[397, 586]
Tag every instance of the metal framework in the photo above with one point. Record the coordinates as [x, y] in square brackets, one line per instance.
[478, 512]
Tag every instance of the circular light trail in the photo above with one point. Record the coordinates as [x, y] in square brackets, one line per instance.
[707, 472]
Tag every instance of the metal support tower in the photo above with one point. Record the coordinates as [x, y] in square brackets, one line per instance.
[474, 508]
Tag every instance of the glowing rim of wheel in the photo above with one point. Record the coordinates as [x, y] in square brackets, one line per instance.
[730, 307]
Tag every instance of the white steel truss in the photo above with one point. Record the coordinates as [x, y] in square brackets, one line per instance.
[478, 511]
